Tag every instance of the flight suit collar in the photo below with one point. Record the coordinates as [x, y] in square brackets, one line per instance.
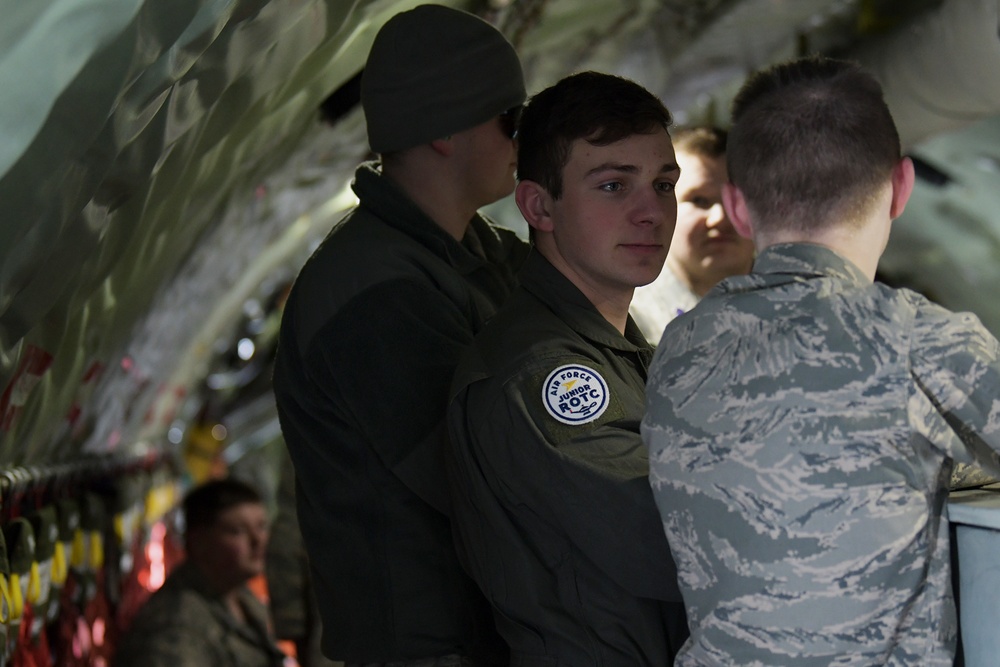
[809, 261]
[254, 631]
[386, 201]
[565, 299]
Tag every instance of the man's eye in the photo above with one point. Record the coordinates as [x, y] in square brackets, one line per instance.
[665, 186]
[702, 202]
[614, 186]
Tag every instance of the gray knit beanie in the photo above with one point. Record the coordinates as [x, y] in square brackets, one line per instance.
[434, 71]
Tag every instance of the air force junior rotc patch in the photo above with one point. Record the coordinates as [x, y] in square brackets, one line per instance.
[575, 394]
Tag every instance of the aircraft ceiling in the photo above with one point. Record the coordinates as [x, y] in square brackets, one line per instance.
[164, 172]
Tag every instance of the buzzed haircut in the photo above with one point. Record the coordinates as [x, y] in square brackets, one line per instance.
[812, 143]
[203, 504]
[705, 141]
[600, 108]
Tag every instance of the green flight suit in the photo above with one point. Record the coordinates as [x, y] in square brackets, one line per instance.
[370, 337]
[552, 507]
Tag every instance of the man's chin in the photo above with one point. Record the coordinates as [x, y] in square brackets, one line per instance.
[647, 277]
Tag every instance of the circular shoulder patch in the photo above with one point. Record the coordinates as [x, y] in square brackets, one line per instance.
[575, 394]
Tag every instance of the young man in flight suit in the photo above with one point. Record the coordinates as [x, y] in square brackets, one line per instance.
[804, 420]
[553, 512]
[372, 332]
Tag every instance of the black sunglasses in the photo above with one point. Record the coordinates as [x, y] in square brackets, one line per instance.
[509, 120]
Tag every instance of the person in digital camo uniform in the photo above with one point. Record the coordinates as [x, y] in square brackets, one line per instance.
[802, 421]
[552, 507]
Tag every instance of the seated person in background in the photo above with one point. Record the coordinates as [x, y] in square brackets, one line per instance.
[552, 509]
[705, 248]
[204, 614]
[803, 420]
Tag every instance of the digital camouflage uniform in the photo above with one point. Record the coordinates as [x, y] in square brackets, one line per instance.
[553, 510]
[183, 624]
[802, 424]
[656, 304]
[370, 337]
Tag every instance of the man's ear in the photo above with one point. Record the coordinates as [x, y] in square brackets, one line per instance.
[736, 209]
[444, 146]
[535, 204]
[903, 177]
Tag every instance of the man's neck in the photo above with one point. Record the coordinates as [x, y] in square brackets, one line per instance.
[862, 247]
[612, 304]
[615, 311]
[861, 241]
[699, 286]
[437, 197]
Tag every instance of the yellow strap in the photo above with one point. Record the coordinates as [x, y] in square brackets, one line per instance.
[34, 584]
[4, 600]
[96, 550]
[159, 500]
[59, 569]
[76, 553]
[16, 597]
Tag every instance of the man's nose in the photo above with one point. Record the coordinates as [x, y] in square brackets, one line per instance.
[651, 206]
[260, 536]
[716, 215]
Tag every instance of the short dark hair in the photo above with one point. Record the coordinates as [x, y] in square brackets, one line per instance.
[203, 504]
[701, 140]
[812, 142]
[601, 108]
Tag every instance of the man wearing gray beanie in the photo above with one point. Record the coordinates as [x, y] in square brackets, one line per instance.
[371, 334]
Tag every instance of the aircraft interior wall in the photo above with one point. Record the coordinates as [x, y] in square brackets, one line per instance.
[165, 170]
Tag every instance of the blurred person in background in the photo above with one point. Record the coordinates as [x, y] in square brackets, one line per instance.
[705, 247]
[204, 614]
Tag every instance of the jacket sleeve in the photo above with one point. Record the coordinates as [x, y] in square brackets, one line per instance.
[286, 564]
[955, 364]
[585, 483]
[387, 360]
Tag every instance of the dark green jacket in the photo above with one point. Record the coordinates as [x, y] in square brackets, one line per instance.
[553, 508]
[369, 340]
